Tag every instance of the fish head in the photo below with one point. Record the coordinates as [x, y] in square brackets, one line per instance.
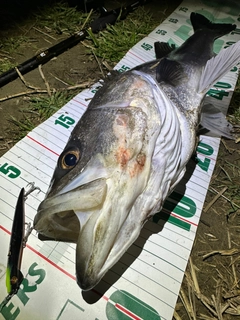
[100, 174]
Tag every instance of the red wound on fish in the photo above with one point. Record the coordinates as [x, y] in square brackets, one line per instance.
[138, 165]
[141, 159]
[122, 156]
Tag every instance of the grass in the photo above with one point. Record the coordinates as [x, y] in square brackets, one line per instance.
[112, 44]
[117, 39]
[57, 19]
[45, 106]
[12, 43]
[25, 125]
[60, 18]
[234, 108]
[8, 47]
[6, 64]
[40, 108]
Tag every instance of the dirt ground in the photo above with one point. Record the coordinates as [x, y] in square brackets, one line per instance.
[211, 285]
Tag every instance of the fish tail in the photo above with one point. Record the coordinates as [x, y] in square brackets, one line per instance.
[199, 22]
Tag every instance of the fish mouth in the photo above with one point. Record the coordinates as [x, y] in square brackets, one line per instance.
[57, 216]
[101, 235]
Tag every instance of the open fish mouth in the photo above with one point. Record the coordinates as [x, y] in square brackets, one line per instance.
[57, 215]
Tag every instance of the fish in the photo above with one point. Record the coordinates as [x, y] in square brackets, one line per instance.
[130, 149]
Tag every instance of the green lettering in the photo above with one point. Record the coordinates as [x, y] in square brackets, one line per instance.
[229, 43]
[123, 68]
[162, 32]
[234, 69]
[217, 94]
[11, 171]
[184, 9]
[24, 287]
[222, 85]
[37, 272]
[173, 20]
[124, 306]
[6, 312]
[236, 31]
[205, 149]
[65, 121]
[146, 46]
[204, 165]
[180, 204]
[164, 216]
[179, 223]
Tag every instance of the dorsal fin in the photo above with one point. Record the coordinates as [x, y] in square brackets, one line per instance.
[162, 49]
[169, 71]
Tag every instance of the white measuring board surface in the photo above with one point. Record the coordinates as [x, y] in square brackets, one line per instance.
[145, 283]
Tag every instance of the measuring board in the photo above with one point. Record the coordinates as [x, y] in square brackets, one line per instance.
[145, 283]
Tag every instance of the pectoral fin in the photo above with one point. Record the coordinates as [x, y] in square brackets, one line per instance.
[170, 71]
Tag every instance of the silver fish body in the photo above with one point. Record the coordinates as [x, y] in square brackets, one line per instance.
[129, 150]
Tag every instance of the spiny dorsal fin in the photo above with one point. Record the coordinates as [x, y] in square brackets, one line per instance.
[217, 66]
[169, 71]
[162, 49]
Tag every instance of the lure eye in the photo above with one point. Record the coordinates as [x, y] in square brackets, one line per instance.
[69, 159]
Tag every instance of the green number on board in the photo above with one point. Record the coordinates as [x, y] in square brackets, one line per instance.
[123, 68]
[10, 171]
[124, 306]
[65, 121]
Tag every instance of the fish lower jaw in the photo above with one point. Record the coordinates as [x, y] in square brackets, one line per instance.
[88, 276]
[87, 281]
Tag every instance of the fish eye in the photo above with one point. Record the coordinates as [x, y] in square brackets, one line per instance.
[69, 159]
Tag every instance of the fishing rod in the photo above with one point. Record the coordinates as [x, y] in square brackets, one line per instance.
[106, 18]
